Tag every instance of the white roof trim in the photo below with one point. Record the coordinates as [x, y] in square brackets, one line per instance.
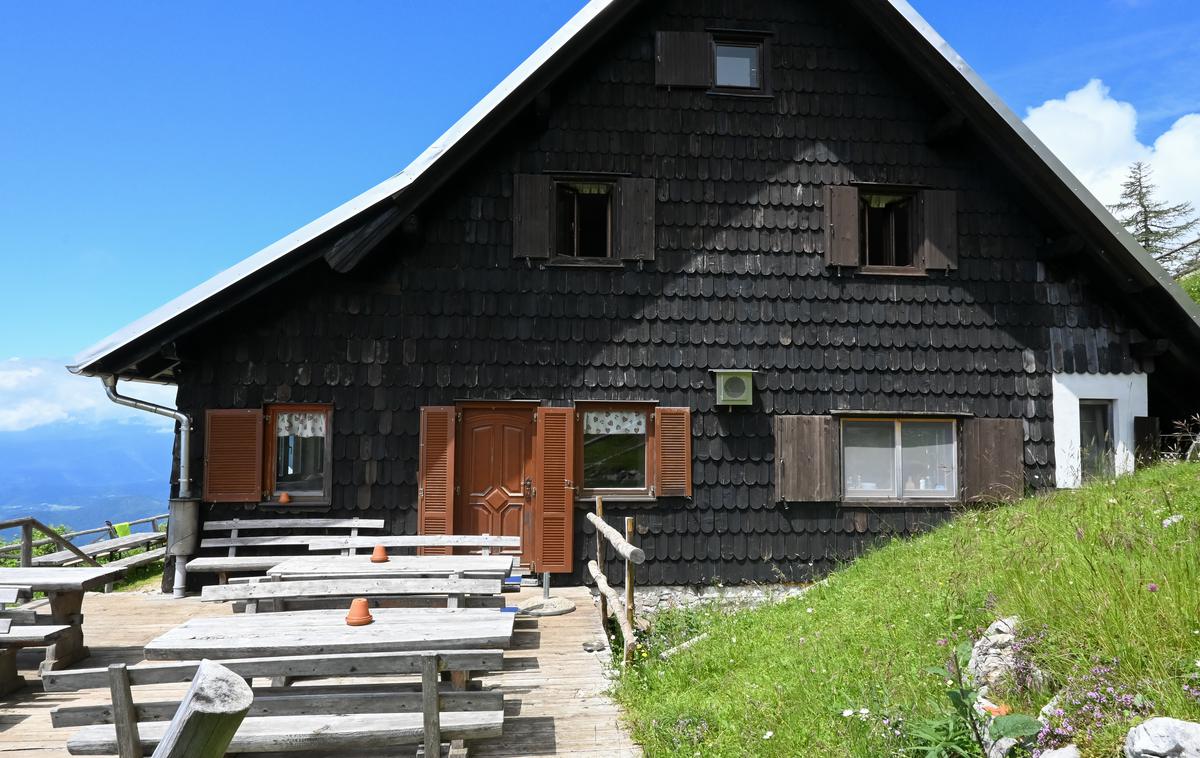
[428, 159]
[380, 192]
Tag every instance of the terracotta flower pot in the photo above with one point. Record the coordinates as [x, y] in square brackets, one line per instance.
[284, 498]
[379, 554]
[359, 614]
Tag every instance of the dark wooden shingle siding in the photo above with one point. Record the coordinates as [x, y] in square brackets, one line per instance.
[738, 281]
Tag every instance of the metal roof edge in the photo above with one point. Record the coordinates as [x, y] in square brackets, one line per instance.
[348, 210]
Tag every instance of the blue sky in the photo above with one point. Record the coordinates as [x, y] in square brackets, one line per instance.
[146, 146]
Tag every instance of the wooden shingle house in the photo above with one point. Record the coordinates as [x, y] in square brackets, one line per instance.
[777, 276]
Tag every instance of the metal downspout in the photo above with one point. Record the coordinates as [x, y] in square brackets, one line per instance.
[185, 437]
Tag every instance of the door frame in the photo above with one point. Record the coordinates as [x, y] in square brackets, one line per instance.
[529, 515]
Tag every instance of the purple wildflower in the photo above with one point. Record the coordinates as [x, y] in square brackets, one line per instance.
[1152, 587]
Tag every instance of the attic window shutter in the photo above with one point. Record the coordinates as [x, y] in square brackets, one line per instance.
[940, 224]
[808, 459]
[532, 199]
[233, 456]
[554, 470]
[682, 59]
[435, 475]
[993, 459]
[673, 443]
[635, 198]
[841, 226]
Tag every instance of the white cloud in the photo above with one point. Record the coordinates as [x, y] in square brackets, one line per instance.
[1096, 136]
[35, 392]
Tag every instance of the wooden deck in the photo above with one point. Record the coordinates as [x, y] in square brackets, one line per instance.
[553, 688]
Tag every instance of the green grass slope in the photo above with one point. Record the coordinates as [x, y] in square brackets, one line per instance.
[1095, 570]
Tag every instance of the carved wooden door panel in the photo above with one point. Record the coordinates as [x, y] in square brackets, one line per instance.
[495, 474]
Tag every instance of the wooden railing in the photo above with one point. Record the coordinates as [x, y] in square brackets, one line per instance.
[27, 543]
[610, 600]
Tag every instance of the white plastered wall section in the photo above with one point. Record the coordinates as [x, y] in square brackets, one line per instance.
[1128, 395]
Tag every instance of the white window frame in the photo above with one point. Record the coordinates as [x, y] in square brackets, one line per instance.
[1128, 395]
[897, 492]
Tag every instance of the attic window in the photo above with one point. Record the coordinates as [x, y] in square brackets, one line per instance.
[888, 228]
[583, 219]
[737, 65]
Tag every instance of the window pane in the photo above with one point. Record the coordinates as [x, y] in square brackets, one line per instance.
[927, 459]
[1095, 439]
[887, 230]
[583, 226]
[869, 458]
[300, 452]
[737, 66]
[614, 449]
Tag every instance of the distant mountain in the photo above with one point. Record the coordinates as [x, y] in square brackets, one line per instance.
[80, 475]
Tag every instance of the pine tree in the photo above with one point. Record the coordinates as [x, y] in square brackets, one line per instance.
[1168, 232]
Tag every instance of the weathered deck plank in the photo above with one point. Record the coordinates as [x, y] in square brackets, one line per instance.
[553, 688]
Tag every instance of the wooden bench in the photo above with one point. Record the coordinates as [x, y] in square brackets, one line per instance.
[446, 592]
[101, 548]
[233, 563]
[17, 638]
[330, 716]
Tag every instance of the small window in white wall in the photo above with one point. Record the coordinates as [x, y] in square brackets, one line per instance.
[1094, 424]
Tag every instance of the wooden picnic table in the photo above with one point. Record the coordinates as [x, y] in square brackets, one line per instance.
[103, 547]
[360, 566]
[326, 633]
[64, 587]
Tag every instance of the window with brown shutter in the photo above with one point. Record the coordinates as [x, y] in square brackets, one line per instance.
[233, 456]
[807, 459]
[939, 221]
[435, 474]
[683, 59]
[616, 449]
[993, 459]
[673, 440]
[533, 195]
[555, 486]
[635, 219]
[299, 452]
[841, 226]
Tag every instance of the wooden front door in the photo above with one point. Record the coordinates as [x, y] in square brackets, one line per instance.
[495, 474]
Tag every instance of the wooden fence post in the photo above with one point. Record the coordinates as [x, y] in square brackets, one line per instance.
[431, 708]
[209, 716]
[629, 584]
[26, 544]
[600, 559]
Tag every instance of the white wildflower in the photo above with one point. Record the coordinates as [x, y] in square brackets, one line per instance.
[864, 711]
[848, 713]
[1172, 520]
[808, 610]
[768, 735]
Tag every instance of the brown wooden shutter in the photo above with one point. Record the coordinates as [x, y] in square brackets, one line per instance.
[635, 219]
[233, 456]
[673, 443]
[435, 475]
[993, 459]
[555, 471]
[841, 226]
[808, 459]
[533, 195]
[683, 59]
[1147, 440]
[940, 225]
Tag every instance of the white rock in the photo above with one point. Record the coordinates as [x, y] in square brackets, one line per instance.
[1163, 738]
[1070, 751]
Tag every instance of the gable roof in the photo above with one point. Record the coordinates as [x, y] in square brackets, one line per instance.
[369, 216]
